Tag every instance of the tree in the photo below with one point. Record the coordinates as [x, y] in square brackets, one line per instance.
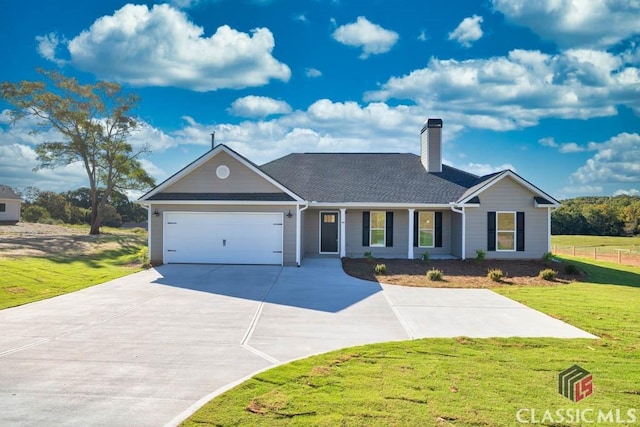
[34, 213]
[55, 204]
[95, 122]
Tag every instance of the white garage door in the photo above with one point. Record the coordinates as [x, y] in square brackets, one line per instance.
[223, 238]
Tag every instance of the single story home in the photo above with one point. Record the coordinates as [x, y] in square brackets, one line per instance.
[10, 204]
[223, 208]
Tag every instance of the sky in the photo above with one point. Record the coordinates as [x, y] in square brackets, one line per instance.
[547, 88]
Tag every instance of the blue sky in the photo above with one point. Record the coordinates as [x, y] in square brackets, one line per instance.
[550, 89]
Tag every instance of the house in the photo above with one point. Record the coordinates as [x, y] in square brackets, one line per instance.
[9, 205]
[222, 208]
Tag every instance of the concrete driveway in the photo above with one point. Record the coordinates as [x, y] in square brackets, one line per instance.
[146, 349]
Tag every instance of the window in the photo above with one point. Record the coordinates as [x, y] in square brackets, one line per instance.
[426, 223]
[506, 231]
[377, 228]
[3, 207]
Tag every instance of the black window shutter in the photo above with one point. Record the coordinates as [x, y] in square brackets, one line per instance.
[416, 229]
[389, 240]
[438, 229]
[365, 228]
[520, 231]
[491, 231]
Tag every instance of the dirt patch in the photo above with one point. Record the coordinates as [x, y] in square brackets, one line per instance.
[457, 273]
[29, 239]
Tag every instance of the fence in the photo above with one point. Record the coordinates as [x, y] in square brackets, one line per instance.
[629, 256]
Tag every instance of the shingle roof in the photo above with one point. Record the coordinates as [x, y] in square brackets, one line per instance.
[259, 197]
[368, 178]
[8, 193]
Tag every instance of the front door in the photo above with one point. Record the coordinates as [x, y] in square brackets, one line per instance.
[328, 232]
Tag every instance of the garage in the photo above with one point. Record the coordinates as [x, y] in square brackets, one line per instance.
[223, 237]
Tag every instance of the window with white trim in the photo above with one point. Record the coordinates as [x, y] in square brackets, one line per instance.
[377, 228]
[505, 231]
[426, 227]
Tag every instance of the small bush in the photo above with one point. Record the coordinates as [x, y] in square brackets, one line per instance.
[34, 213]
[143, 257]
[480, 255]
[434, 275]
[495, 274]
[548, 274]
[368, 255]
[571, 270]
[138, 230]
[547, 257]
[380, 269]
[425, 257]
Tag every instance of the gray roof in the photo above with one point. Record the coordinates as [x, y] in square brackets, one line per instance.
[258, 197]
[7, 193]
[368, 178]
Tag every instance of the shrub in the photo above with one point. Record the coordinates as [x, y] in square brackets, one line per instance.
[143, 257]
[434, 275]
[380, 269]
[425, 257]
[480, 255]
[547, 257]
[139, 230]
[548, 274]
[571, 270]
[495, 274]
[34, 213]
[368, 255]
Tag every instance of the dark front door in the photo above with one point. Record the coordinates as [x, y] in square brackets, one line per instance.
[329, 232]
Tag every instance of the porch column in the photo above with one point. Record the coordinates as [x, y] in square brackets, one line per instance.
[298, 236]
[411, 225]
[343, 232]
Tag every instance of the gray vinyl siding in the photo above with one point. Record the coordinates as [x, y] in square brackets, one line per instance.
[508, 195]
[156, 229]
[204, 180]
[456, 235]
[400, 235]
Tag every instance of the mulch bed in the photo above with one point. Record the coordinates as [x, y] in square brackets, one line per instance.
[457, 273]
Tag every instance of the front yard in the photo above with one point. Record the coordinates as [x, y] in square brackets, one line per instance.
[41, 261]
[461, 381]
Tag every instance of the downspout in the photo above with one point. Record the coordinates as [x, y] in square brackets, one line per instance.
[299, 233]
[549, 210]
[464, 230]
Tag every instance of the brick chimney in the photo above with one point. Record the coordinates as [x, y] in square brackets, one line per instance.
[431, 145]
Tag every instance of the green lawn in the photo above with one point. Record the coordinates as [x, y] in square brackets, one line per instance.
[601, 241]
[27, 279]
[459, 382]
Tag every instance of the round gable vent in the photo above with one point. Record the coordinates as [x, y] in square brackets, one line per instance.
[222, 172]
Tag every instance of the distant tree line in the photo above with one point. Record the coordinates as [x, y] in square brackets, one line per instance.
[601, 216]
[74, 207]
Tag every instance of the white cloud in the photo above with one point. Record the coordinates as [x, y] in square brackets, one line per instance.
[313, 73]
[422, 36]
[591, 23]
[372, 38]
[482, 169]
[575, 190]
[258, 106]
[301, 18]
[630, 192]
[468, 31]
[47, 47]
[503, 93]
[616, 160]
[161, 47]
[566, 147]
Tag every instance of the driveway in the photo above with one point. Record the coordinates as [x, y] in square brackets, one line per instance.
[146, 349]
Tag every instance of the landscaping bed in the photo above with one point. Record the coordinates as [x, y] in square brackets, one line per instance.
[458, 273]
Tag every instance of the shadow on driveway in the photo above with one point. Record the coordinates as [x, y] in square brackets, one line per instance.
[318, 285]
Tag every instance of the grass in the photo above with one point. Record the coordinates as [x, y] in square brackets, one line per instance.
[461, 381]
[600, 241]
[26, 279]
